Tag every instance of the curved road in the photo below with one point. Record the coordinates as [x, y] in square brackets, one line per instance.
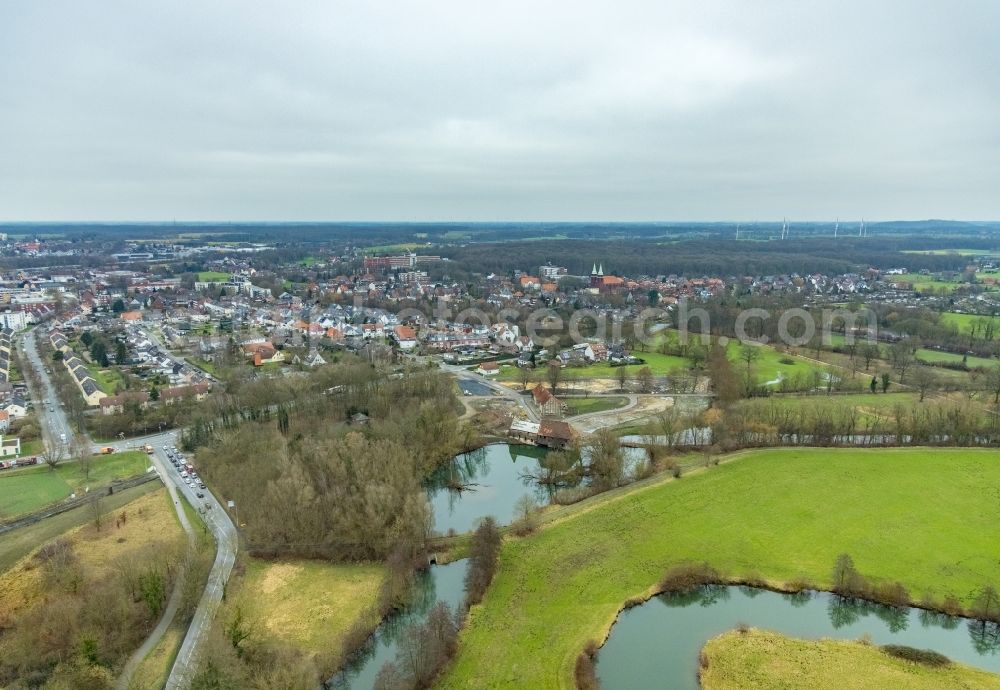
[54, 423]
[175, 596]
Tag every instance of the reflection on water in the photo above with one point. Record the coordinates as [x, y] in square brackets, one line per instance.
[656, 646]
[490, 480]
[440, 583]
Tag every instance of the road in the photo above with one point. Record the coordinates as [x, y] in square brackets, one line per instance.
[217, 519]
[175, 596]
[54, 422]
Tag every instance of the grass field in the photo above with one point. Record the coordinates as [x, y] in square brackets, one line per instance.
[310, 604]
[768, 661]
[928, 518]
[23, 491]
[15, 545]
[152, 673]
[212, 276]
[148, 503]
[29, 448]
[935, 356]
[964, 321]
[771, 364]
[577, 406]
[865, 402]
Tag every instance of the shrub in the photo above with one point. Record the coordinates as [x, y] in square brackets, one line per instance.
[952, 606]
[688, 576]
[891, 594]
[800, 584]
[565, 497]
[586, 675]
[917, 656]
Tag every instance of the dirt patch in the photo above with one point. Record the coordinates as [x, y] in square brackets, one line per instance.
[278, 576]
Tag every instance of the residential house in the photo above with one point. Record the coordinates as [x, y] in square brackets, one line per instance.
[488, 369]
[9, 446]
[197, 391]
[116, 404]
[15, 408]
[405, 337]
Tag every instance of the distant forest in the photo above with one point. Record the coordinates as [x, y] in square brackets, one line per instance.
[695, 258]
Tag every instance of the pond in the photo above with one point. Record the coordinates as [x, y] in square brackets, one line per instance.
[438, 583]
[656, 644]
[496, 476]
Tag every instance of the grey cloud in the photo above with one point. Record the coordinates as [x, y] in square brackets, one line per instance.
[458, 110]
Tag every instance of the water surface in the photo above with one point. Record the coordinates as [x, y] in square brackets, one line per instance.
[656, 645]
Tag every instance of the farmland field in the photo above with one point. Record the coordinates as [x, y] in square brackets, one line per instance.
[925, 517]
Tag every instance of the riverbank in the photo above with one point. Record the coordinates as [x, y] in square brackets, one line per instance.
[769, 661]
[775, 516]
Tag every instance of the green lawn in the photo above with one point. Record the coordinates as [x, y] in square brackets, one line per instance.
[27, 490]
[765, 660]
[769, 366]
[964, 321]
[107, 379]
[202, 364]
[212, 276]
[861, 401]
[29, 448]
[928, 518]
[577, 406]
[934, 356]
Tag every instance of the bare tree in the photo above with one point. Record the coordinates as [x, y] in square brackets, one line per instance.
[53, 454]
[870, 352]
[645, 378]
[80, 449]
[95, 504]
[901, 358]
[524, 375]
[992, 381]
[622, 374]
[554, 374]
[923, 380]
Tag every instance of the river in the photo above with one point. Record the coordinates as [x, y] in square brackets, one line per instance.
[656, 644]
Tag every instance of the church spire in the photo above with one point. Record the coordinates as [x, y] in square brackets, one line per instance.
[600, 271]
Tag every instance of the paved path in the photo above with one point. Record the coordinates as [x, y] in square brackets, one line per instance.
[175, 596]
[226, 539]
[54, 423]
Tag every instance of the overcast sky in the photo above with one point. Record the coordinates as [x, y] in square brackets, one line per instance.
[466, 110]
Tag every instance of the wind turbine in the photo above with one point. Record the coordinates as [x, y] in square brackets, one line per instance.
[836, 227]
[784, 228]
